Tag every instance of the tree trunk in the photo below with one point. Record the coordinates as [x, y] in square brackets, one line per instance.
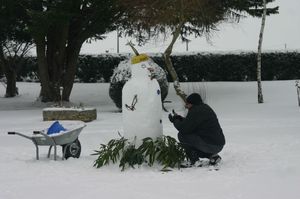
[45, 93]
[57, 64]
[259, 93]
[10, 74]
[170, 66]
[11, 88]
[73, 51]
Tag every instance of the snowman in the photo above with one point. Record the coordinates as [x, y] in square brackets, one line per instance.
[141, 102]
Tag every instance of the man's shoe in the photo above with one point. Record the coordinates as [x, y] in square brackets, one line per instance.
[214, 160]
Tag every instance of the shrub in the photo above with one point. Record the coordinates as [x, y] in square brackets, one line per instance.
[123, 73]
[189, 67]
[164, 151]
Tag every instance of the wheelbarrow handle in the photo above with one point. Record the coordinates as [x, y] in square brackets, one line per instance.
[20, 134]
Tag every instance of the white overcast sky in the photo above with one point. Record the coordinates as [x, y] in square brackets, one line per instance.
[282, 31]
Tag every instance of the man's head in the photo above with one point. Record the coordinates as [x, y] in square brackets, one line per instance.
[193, 99]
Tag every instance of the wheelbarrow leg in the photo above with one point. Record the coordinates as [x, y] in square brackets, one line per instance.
[30, 138]
[64, 152]
[49, 151]
[55, 153]
[52, 144]
[37, 152]
[36, 149]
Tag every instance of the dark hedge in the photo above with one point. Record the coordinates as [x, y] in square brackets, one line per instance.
[191, 67]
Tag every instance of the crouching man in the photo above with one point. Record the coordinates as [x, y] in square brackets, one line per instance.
[199, 132]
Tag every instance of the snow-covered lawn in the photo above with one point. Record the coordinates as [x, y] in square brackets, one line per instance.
[261, 158]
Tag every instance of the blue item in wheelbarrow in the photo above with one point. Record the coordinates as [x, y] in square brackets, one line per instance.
[68, 139]
[56, 127]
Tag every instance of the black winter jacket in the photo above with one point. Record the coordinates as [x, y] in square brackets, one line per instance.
[202, 121]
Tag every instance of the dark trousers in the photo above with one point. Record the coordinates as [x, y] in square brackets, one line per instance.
[196, 148]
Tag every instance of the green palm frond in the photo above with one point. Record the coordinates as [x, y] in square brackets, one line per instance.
[164, 151]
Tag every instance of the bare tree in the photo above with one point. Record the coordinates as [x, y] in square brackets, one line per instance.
[148, 18]
[258, 70]
[12, 55]
[15, 42]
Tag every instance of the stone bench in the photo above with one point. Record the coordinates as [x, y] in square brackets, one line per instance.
[82, 114]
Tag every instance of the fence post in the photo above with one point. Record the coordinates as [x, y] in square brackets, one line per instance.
[61, 95]
[298, 91]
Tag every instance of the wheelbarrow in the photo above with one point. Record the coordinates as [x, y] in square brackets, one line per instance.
[67, 139]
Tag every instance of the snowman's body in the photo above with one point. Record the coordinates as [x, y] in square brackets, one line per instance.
[141, 102]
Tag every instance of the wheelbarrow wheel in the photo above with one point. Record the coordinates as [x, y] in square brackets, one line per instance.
[72, 150]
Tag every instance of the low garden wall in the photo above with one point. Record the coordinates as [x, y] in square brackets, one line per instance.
[85, 115]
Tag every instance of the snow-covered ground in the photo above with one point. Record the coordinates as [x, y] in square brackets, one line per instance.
[261, 158]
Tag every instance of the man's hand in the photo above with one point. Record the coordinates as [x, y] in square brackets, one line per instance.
[174, 113]
[171, 118]
[177, 117]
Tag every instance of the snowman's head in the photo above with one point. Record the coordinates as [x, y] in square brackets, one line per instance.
[141, 66]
